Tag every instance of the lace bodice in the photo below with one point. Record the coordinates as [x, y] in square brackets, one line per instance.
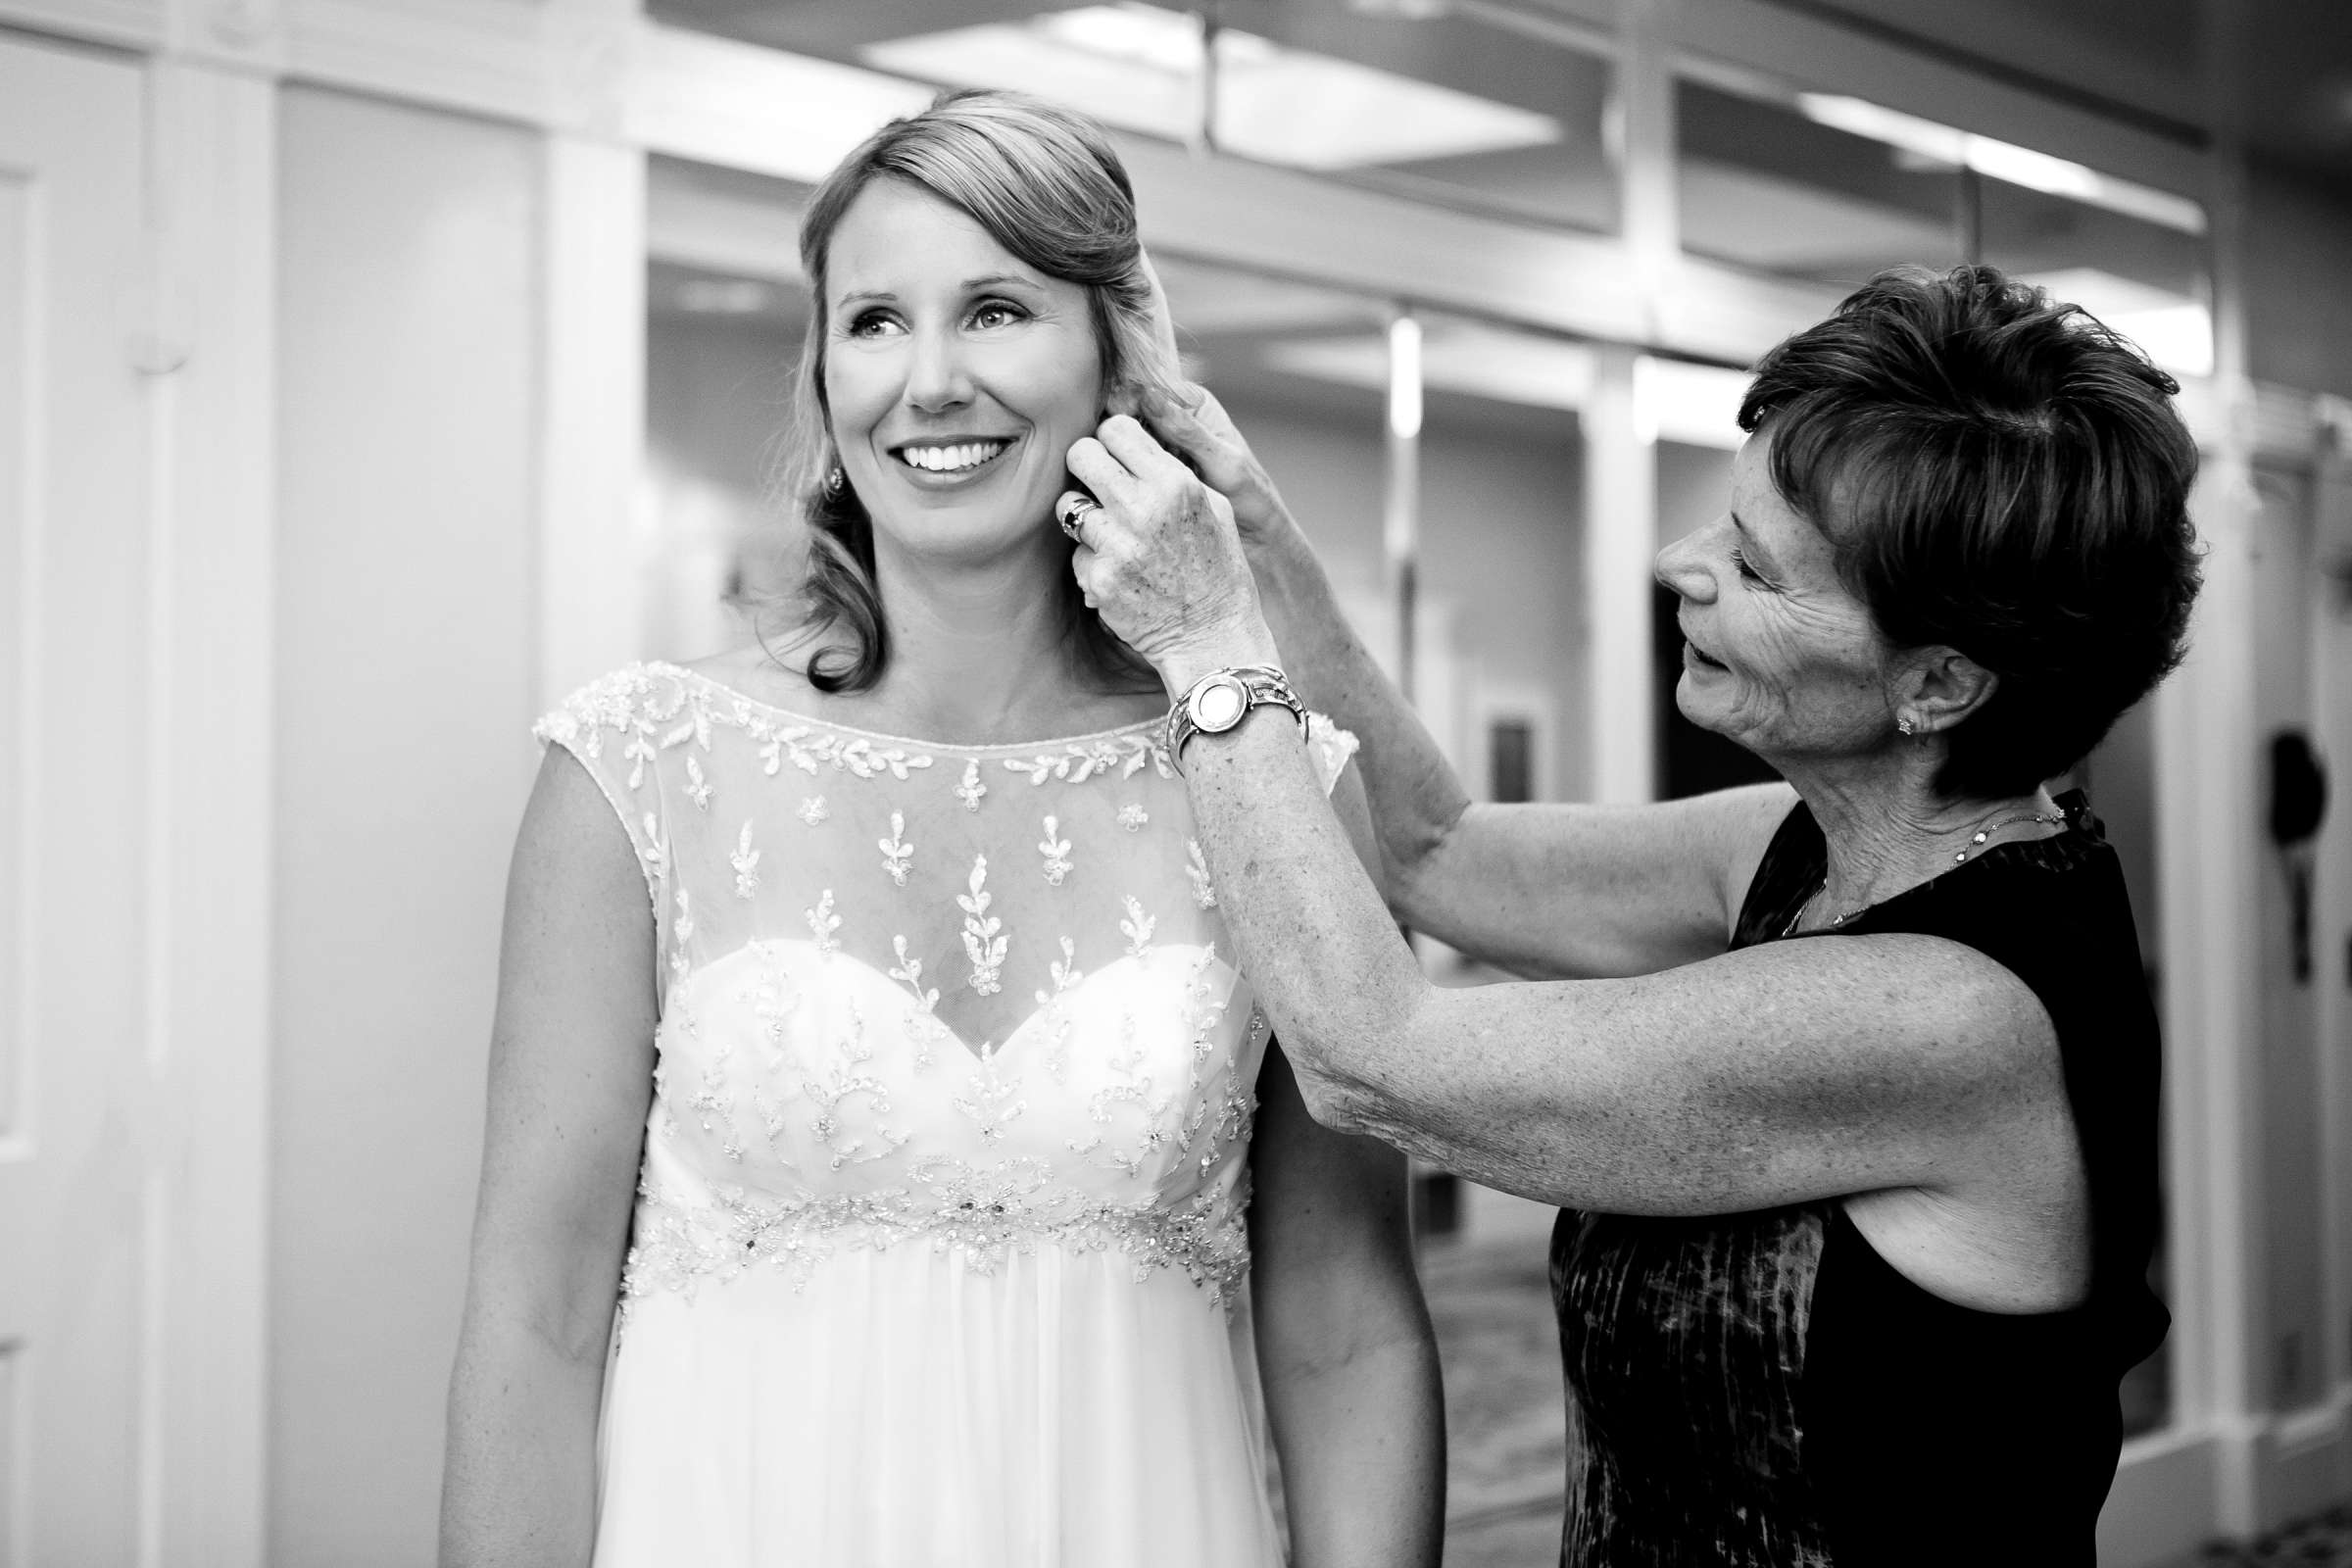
[976, 997]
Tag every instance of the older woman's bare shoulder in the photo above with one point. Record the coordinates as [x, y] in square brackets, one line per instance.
[1906, 994]
[1736, 826]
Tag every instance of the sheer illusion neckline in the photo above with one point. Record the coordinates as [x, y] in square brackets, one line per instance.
[719, 688]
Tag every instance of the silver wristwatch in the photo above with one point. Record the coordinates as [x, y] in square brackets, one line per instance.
[1221, 698]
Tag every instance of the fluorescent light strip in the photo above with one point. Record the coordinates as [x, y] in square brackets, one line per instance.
[1404, 378]
[2003, 161]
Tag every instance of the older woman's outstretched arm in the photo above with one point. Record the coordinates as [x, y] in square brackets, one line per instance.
[1541, 890]
[1773, 1075]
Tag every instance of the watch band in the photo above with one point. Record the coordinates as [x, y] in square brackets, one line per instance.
[1220, 699]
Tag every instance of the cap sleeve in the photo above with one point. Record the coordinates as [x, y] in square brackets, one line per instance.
[1330, 746]
[610, 726]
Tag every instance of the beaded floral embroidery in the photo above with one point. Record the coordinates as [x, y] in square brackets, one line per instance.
[814, 1093]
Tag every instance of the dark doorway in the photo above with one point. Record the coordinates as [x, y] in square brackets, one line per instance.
[1691, 760]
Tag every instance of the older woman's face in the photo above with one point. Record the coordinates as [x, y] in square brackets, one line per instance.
[956, 377]
[1777, 655]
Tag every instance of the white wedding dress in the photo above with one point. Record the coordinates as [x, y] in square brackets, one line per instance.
[941, 1212]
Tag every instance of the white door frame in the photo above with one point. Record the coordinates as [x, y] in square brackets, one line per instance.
[213, 140]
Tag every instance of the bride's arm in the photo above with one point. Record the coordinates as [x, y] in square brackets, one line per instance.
[1345, 1347]
[570, 1077]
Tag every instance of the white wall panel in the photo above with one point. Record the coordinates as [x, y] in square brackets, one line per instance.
[14, 1484]
[77, 1294]
[17, 616]
[406, 661]
[212, 203]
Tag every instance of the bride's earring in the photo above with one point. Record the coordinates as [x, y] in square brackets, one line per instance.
[836, 480]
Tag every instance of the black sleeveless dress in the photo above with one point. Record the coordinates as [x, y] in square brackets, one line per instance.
[1763, 1391]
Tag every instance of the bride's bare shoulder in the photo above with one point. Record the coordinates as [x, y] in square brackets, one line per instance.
[775, 673]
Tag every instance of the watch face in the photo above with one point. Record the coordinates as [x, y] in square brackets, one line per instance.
[1220, 704]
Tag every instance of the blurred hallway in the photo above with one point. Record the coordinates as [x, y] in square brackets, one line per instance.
[1505, 1447]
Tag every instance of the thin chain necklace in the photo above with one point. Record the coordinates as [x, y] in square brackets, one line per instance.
[1975, 843]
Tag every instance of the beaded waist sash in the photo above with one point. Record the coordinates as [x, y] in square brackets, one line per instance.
[982, 1217]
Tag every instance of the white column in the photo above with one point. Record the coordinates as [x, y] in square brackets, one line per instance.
[1621, 541]
[208, 344]
[592, 452]
[2331, 903]
[1621, 475]
[2209, 816]
[592, 354]
[1650, 216]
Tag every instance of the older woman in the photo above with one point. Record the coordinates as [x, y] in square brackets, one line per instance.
[1854, 1122]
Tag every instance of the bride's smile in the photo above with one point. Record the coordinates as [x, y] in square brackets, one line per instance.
[956, 377]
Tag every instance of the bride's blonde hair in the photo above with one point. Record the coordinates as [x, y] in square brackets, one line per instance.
[1047, 185]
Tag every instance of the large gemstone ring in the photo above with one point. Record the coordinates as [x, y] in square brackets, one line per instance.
[1072, 511]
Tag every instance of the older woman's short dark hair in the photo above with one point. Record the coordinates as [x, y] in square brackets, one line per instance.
[2001, 474]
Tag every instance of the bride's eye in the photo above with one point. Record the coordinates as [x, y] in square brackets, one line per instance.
[997, 313]
[868, 323]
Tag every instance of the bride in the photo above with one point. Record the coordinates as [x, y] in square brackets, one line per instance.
[879, 1136]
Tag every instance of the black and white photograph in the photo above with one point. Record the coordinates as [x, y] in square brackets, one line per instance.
[1239, 784]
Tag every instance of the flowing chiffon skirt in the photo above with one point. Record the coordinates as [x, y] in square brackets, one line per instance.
[902, 1408]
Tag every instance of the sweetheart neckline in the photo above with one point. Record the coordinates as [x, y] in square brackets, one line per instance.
[904, 996]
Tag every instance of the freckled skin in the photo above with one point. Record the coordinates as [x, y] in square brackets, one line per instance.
[1804, 670]
[1013, 356]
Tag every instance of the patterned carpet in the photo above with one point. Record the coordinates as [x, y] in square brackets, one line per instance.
[2325, 1542]
[1505, 1433]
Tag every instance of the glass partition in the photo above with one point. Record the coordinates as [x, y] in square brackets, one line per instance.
[1485, 107]
[2144, 274]
[1834, 189]
[1764, 185]
[721, 351]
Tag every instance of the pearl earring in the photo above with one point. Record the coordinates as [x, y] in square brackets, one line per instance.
[1904, 726]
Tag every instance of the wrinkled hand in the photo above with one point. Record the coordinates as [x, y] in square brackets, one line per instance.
[1161, 560]
[1189, 420]
[1194, 423]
